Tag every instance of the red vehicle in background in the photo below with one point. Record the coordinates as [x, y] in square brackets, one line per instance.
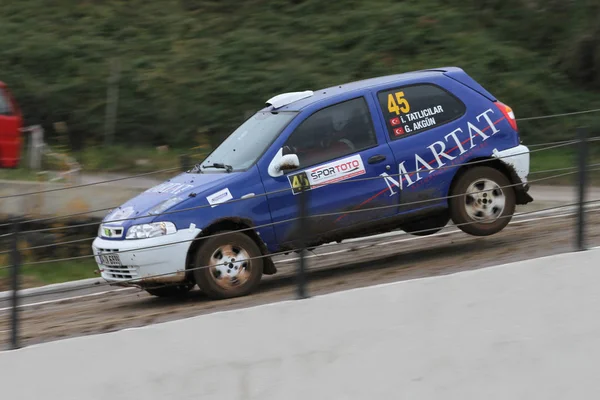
[11, 122]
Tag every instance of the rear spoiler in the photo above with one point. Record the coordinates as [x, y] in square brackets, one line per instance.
[459, 75]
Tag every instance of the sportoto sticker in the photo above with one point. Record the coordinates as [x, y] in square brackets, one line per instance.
[219, 197]
[322, 175]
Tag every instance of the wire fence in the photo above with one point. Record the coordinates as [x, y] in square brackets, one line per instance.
[133, 281]
[353, 181]
[595, 110]
[400, 175]
[549, 146]
[592, 168]
[306, 233]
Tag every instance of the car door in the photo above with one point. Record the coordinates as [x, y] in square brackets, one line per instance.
[422, 121]
[341, 156]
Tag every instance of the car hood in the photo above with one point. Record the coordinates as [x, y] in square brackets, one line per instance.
[166, 195]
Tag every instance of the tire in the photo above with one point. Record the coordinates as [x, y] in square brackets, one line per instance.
[427, 226]
[237, 278]
[170, 290]
[472, 213]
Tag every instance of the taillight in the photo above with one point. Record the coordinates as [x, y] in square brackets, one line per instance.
[508, 114]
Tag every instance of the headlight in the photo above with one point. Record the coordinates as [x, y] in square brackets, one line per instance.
[150, 230]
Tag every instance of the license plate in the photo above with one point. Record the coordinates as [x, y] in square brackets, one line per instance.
[110, 259]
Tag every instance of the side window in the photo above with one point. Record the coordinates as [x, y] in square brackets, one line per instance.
[5, 107]
[333, 132]
[412, 109]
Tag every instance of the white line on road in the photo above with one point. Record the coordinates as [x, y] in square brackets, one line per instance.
[516, 215]
[414, 237]
[41, 303]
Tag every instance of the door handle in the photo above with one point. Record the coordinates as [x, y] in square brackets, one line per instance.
[376, 159]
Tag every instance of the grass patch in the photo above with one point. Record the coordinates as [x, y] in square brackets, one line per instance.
[52, 272]
[560, 158]
[552, 159]
[18, 174]
[133, 159]
[116, 159]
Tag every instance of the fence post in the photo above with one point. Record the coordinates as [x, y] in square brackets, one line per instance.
[36, 146]
[14, 274]
[303, 227]
[582, 178]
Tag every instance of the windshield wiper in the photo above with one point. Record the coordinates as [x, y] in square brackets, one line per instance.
[226, 167]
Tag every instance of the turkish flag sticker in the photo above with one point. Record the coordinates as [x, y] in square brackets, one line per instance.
[399, 131]
[395, 121]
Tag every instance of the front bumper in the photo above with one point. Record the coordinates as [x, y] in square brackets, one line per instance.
[140, 261]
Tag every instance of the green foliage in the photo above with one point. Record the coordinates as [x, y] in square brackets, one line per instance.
[200, 66]
[38, 248]
[48, 273]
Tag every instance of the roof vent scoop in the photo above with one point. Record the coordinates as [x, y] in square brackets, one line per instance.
[287, 98]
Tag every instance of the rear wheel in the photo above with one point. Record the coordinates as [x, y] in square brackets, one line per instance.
[228, 265]
[170, 290]
[484, 204]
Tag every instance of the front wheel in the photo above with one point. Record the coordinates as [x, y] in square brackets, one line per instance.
[482, 202]
[228, 265]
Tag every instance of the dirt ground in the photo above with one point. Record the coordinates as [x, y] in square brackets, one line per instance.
[372, 262]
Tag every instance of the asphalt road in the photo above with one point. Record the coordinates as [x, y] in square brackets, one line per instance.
[384, 258]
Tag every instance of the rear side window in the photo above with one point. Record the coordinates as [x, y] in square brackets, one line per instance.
[5, 106]
[412, 109]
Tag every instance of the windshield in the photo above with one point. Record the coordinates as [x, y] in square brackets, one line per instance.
[249, 141]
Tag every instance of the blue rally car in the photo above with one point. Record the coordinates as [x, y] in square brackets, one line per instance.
[410, 151]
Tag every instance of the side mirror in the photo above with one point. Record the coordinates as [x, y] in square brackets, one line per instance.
[288, 162]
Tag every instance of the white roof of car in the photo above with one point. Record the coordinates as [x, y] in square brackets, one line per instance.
[287, 98]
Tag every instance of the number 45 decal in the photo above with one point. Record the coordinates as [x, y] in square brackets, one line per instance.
[298, 182]
[397, 104]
